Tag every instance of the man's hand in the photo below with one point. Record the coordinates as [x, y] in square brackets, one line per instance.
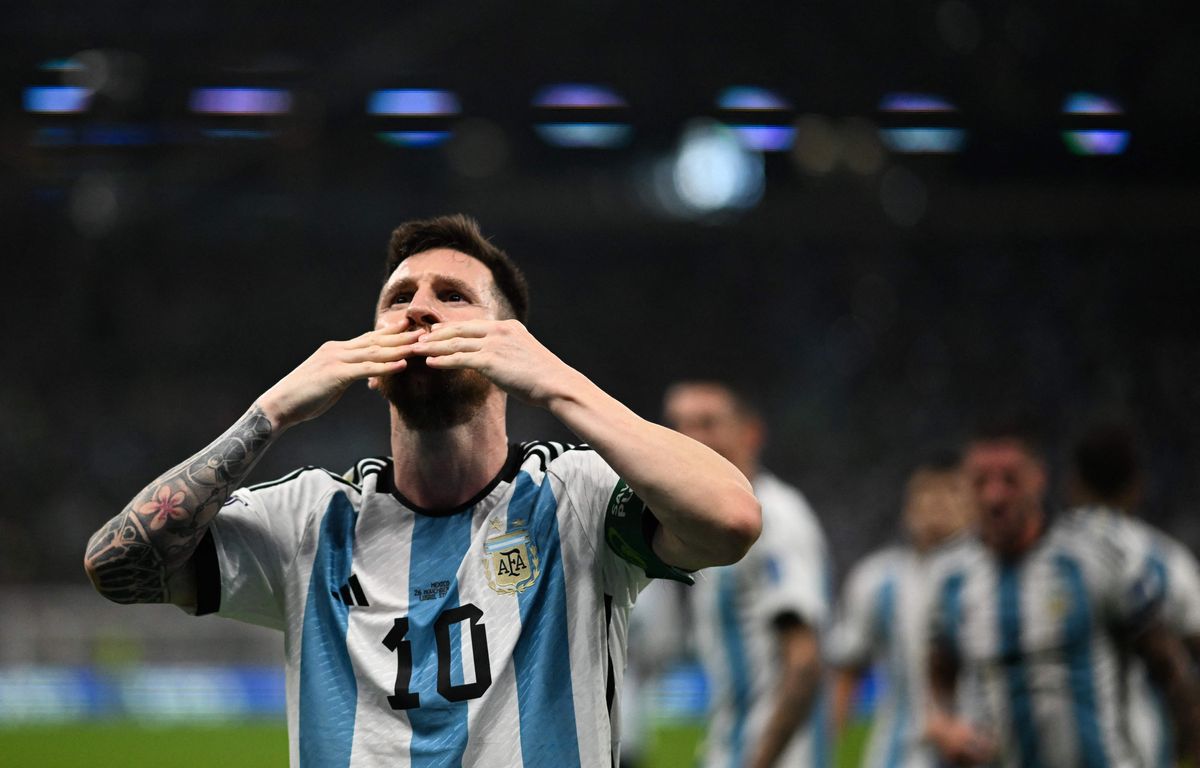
[502, 350]
[317, 383]
[958, 741]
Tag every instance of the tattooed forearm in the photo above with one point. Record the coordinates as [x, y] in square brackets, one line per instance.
[131, 557]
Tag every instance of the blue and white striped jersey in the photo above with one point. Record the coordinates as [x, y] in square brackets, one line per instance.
[1149, 718]
[883, 619]
[491, 634]
[1038, 642]
[734, 607]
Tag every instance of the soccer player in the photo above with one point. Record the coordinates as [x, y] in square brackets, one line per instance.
[1029, 624]
[758, 623]
[462, 601]
[1105, 485]
[883, 617]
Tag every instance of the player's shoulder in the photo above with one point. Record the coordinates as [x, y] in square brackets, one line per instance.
[874, 567]
[572, 464]
[1099, 534]
[959, 557]
[311, 480]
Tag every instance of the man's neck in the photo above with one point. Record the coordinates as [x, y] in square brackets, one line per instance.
[444, 469]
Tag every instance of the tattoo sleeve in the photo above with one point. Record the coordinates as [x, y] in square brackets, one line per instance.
[131, 557]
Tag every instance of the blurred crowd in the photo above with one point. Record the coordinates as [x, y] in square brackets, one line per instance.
[997, 629]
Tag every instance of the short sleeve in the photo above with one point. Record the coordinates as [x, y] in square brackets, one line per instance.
[256, 536]
[1182, 606]
[853, 638]
[1135, 578]
[790, 577]
[619, 524]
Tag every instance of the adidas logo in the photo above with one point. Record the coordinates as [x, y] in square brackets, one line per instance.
[351, 593]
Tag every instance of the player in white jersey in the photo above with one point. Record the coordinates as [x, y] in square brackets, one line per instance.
[1029, 625]
[758, 622]
[883, 618]
[462, 602]
[1105, 485]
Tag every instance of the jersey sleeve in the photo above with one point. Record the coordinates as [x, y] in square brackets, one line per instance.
[1134, 578]
[1182, 606]
[255, 538]
[621, 526]
[853, 638]
[790, 574]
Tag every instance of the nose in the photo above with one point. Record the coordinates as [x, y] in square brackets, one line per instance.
[422, 310]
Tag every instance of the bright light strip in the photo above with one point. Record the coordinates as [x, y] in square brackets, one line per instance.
[1098, 142]
[413, 138]
[924, 141]
[57, 99]
[241, 101]
[748, 97]
[413, 102]
[578, 96]
[1082, 103]
[765, 138]
[585, 135]
[915, 102]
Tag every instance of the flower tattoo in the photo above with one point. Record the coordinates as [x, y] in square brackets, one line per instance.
[165, 506]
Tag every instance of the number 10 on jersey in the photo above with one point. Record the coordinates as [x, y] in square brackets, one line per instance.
[396, 641]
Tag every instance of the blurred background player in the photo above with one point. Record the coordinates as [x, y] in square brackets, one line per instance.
[1029, 624]
[1105, 488]
[758, 625]
[883, 617]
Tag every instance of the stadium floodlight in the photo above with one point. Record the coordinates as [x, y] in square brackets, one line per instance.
[241, 101]
[582, 115]
[712, 171]
[1082, 105]
[759, 117]
[57, 99]
[578, 96]
[414, 117]
[920, 124]
[413, 102]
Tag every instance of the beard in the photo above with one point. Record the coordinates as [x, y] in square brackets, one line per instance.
[431, 400]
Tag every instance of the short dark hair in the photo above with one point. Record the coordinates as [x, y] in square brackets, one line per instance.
[1014, 425]
[743, 404]
[461, 233]
[1105, 459]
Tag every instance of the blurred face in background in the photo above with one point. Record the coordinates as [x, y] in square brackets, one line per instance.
[1008, 482]
[709, 414]
[937, 505]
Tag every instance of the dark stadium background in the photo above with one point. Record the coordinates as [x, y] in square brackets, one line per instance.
[153, 287]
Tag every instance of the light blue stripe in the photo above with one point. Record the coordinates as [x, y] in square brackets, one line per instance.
[1165, 754]
[735, 656]
[887, 621]
[439, 727]
[542, 660]
[1077, 632]
[1013, 660]
[328, 689]
[950, 611]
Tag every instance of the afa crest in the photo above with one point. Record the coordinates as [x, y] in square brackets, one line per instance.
[511, 561]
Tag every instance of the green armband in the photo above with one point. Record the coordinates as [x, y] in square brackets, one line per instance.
[629, 528]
